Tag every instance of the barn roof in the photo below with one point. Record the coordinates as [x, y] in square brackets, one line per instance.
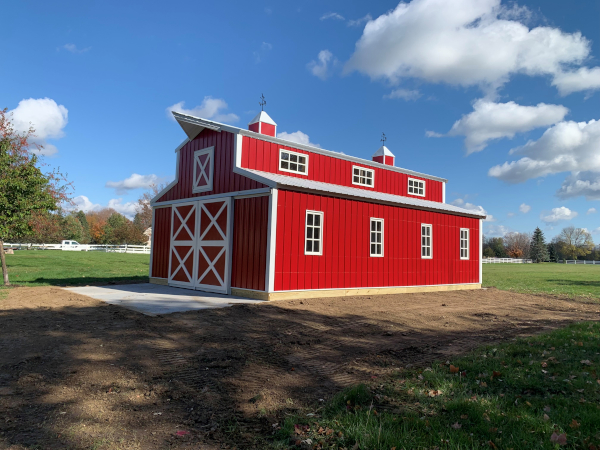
[275, 180]
[193, 126]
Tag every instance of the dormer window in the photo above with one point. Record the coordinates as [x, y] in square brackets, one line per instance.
[293, 162]
[362, 176]
[416, 187]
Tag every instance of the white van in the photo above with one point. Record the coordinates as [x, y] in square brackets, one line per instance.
[73, 246]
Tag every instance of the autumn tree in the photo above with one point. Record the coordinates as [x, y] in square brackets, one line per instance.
[24, 189]
[575, 242]
[143, 216]
[538, 248]
[517, 244]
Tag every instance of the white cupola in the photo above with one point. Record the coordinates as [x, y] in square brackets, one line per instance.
[384, 156]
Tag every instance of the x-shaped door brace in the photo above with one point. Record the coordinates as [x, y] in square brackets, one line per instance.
[203, 172]
[213, 221]
[184, 223]
[182, 263]
[211, 266]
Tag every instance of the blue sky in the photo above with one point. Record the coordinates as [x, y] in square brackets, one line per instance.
[460, 87]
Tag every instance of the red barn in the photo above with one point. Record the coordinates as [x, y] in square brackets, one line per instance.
[253, 215]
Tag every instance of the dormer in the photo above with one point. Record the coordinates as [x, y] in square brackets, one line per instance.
[384, 156]
[263, 124]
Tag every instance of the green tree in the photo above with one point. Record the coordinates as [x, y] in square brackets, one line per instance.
[575, 242]
[488, 252]
[538, 251]
[24, 188]
[497, 246]
[71, 228]
[552, 252]
[85, 228]
[120, 230]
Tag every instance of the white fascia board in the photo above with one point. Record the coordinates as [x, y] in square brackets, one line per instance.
[309, 148]
[255, 177]
[174, 182]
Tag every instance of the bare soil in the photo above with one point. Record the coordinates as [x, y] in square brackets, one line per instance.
[77, 373]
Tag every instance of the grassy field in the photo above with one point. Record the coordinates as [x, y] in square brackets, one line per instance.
[532, 393]
[57, 268]
[549, 278]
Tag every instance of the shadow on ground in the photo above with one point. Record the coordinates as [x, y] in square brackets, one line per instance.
[79, 374]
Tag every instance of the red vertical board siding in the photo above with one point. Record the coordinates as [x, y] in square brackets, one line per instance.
[224, 180]
[250, 228]
[264, 156]
[346, 260]
[162, 242]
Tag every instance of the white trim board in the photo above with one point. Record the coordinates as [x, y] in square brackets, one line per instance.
[373, 287]
[236, 194]
[271, 242]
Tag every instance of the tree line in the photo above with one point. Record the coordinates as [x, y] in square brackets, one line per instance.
[571, 243]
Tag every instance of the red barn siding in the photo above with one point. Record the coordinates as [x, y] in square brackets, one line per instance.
[346, 263]
[161, 234]
[250, 226]
[262, 155]
[224, 179]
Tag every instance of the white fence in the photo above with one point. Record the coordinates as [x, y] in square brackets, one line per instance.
[506, 260]
[83, 248]
[573, 261]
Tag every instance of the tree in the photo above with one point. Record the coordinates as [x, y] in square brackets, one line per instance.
[24, 189]
[143, 216]
[552, 252]
[497, 246]
[538, 248]
[517, 244]
[120, 230]
[488, 252]
[71, 228]
[575, 242]
[85, 228]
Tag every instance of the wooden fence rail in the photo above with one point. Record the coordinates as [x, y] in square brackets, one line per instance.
[82, 248]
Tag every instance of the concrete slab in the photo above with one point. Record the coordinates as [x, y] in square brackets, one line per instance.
[154, 299]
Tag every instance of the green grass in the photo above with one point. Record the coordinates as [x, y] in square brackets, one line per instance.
[512, 395]
[547, 278]
[58, 268]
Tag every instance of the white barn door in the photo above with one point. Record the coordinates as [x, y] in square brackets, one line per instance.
[212, 245]
[183, 244]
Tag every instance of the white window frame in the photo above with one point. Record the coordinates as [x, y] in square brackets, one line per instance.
[306, 238]
[211, 167]
[281, 150]
[372, 186]
[382, 232]
[460, 236]
[428, 225]
[418, 181]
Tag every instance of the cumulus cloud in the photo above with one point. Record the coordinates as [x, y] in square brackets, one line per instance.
[47, 118]
[82, 203]
[462, 42]
[583, 79]
[297, 136]
[591, 211]
[128, 209]
[586, 184]
[557, 215]
[490, 121]
[472, 207]
[322, 68]
[494, 230]
[210, 108]
[524, 208]
[332, 15]
[565, 147]
[73, 48]
[404, 94]
[135, 181]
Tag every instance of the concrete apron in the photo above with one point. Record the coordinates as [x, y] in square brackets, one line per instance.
[153, 299]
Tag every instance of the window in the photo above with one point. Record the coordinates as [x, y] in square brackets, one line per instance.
[426, 247]
[416, 187]
[362, 176]
[203, 170]
[314, 233]
[293, 162]
[464, 243]
[376, 237]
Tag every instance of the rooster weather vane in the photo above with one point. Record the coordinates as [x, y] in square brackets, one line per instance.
[262, 102]
[383, 138]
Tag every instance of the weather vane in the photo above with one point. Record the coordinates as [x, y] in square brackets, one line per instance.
[383, 138]
[262, 102]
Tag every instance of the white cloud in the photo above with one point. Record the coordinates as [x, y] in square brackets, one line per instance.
[462, 42]
[493, 230]
[585, 184]
[298, 137]
[45, 116]
[322, 68]
[359, 22]
[490, 120]
[591, 211]
[596, 231]
[210, 108]
[511, 214]
[332, 15]
[557, 215]
[73, 48]
[260, 54]
[128, 209]
[135, 181]
[472, 207]
[404, 94]
[434, 134]
[583, 79]
[82, 203]
[524, 208]
[565, 147]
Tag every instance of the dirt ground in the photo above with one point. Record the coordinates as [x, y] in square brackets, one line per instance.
[80, 374]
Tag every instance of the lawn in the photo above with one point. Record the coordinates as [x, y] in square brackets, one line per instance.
[531, 393]
[58, 268]
[546, 278]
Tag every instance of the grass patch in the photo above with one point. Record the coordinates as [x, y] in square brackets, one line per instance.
[515, 395]
[546, 278]
[47, 267]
